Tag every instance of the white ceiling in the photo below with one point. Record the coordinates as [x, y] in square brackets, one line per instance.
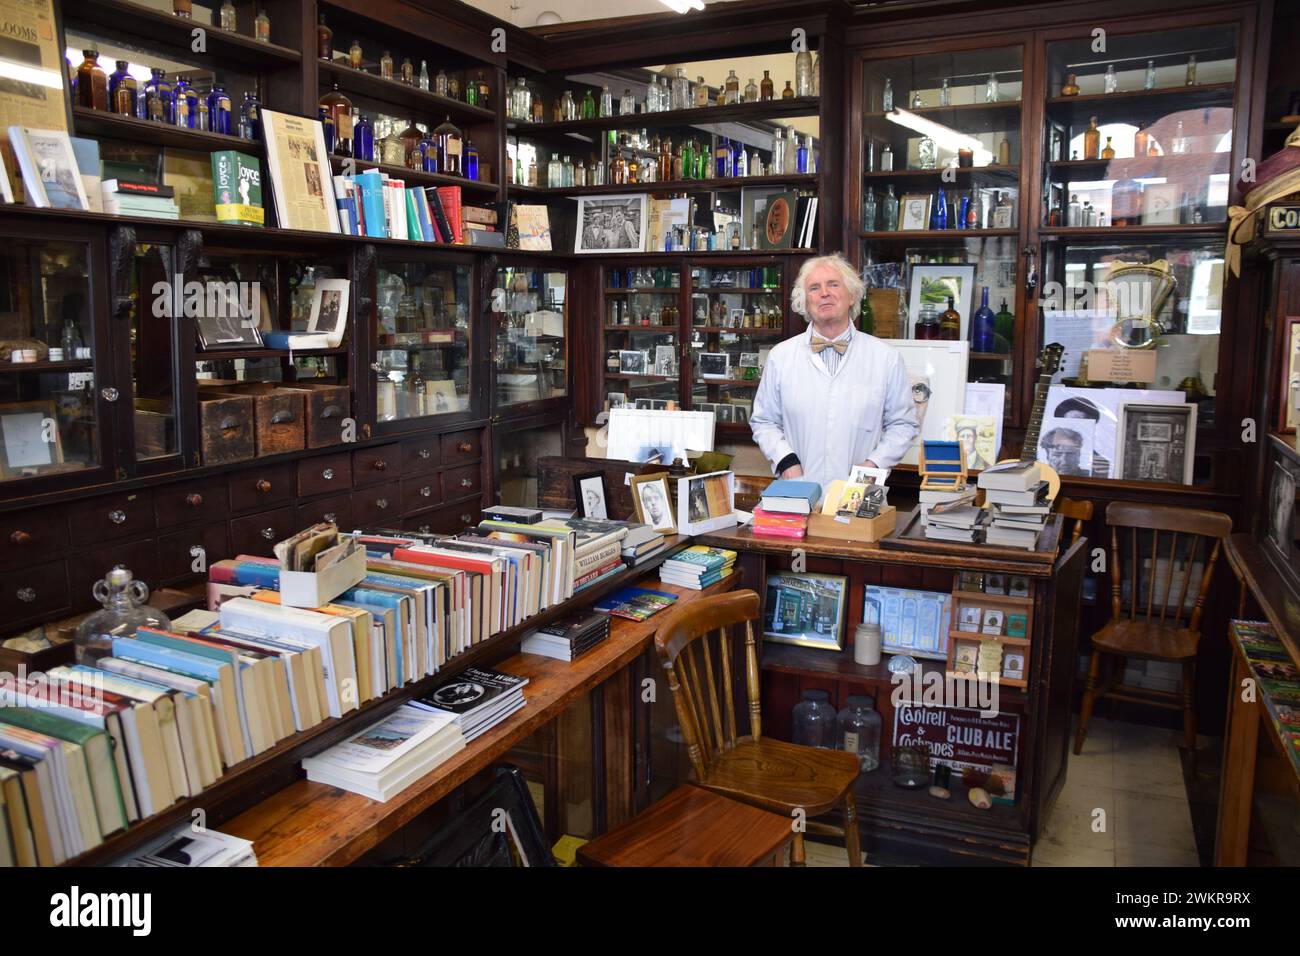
[524, 13]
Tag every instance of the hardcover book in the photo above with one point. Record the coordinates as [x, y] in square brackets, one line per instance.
[237, 188]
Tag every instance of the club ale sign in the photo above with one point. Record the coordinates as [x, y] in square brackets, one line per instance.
[958, 737]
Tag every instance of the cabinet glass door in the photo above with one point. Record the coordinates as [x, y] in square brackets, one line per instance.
[530, 325]
[422, 340]
[517, 452]
[49, 421]
[152, 376]
[641, 322]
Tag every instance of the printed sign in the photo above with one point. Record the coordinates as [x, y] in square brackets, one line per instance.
[957, 737]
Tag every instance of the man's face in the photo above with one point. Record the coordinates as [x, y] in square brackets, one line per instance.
[827, 300]
[1063, 453]
[967, 436]
[593, 500]
[652, 507]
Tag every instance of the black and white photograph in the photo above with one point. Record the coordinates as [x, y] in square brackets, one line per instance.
[225, 321]
[591, 493]
[659, 404]
[740, 414]
[707, 407]
[665, 360]
[650, 501]
[611, 224]
[644, 403]
[724, 413]
[715, 364]
[1157, 443]
[1066, 444]
[697, 501]
[617, 399]
[632, 362]
[805, 609]
[329, 309]
[748, 360]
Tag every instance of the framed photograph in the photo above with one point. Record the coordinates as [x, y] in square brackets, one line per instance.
[299, 167]
[715, 365]
[440, 397]
[706, 502]
[912, 622]
[609, 224]
[725, 413]
[749, 360]
[993, 621]
[914, 212]
[665, 360]
[1160, 204]
[329, 309]
[709, 407]
[937, 371]
[932, 284]
[806, 609]
[651, 502]
[1157, 442]
[739, 414]
[735, 318]
[1288, 405]
[969, 618]
[617, 399]
[591, 492]
[1280, 526]
[29, 437]
[643, 403]
[1013, 665]
[631, 362]
[226, 321]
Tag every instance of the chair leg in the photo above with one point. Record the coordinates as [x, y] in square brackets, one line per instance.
[852, 834]
[1189, 712]
[1089, 697]
[796, 850]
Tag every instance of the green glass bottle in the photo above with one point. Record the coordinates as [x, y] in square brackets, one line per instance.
[866, 318]
[588, 106]
[1004, 324]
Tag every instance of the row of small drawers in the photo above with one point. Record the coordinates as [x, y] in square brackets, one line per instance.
[402, 475]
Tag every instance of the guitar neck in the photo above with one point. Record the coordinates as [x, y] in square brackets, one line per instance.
[1029, 451]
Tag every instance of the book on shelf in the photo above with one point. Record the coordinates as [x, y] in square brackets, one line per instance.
[568, 638]
[531, 228]
[51, 176]
[476, 700]
[237, 188]
[635, 604]
[791, 496]
[86, 152]
[186, 847]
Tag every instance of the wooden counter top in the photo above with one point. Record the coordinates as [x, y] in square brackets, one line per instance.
[314, 824]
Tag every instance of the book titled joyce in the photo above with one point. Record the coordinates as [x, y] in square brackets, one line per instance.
[237, 188]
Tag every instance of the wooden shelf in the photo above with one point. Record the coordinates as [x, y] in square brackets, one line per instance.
[990, 357]
[724, 328]
[794, 181]
[640, 328]
[993, 679]
[1132, 167]
[735, 113]
[980, 596]
[977, 636]
[95, 123]
[1132, 104]
[957, 113]
[75, 365]
[995, 171]
[647, 379]
[723, 290]
[221, 355]
[907, 235]
[1120, 233]
[396, 93]
[414, 177]
[673, 290]
[140, 24]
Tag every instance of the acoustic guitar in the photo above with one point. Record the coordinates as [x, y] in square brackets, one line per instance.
[1048, 364]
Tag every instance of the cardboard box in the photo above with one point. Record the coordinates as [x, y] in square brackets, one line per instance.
[853, 529]
[315, 589]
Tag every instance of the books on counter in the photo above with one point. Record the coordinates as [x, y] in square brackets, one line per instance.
[387, 757]
[373, 204]
[697, 567]
[779, 524]
[568, 638]
[1010, 476]
[475, 700]
[126, 198]
[635, 604]
[791, 496]
[186, 846]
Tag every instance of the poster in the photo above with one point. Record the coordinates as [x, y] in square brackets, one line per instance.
[988, 398]
[32, 72]
[937, 372]
[1101, 406]
[958, 737]
[1078, 331]
[301, 180]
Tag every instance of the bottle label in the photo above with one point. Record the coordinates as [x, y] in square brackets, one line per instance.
[343, 125]
[850, 741]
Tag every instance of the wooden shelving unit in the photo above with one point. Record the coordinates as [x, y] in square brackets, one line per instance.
[397, 93]
[90, 122]
[415, 177]
[735, 113]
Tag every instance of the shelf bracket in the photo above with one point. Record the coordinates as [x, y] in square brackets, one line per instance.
[364, 283]
[121, 252]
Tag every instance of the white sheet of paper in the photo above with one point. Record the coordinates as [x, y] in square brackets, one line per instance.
[987, 398]
[637, 433]
[1078, 331]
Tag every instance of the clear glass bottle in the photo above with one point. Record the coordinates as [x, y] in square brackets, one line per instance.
[554, 173]
[391, 148]
[453, 86]
[945, 93]
[92, 82]
[916, 100]
[424, 75]
[262, 27]
[386, 66]
[778, 153]
[1110, 82]
[568, 106]
[626, 103]
[869, 211]
[1149, 81]
[227, 19]
[887, 159]
[887, 97]
[1074, 212]
[1191, 70]
[681, 90]
[751, 91]
[701, 93]
[814, 720]
[803, 83]
[731, 88]
[440, 83]
[124, 611]
[521, 100]
[665, 94]
[927, 323]
[889, 210]
[791, 151]
[123, 91]
[606, 101]
[1179, 145]
[817, 74]
[991, 89]
[859, 731]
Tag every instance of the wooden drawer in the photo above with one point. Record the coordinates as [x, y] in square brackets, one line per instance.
[278, 416]
[442, 520]
[326, 408]
[371, 465]
[461, 482]
[190, 502]
[261, 487]
[225, 427]
[112, 516]
[318, 476]
[26, 536]
[420, 492]
[335, 508]
[460, 447]
[140, 557]
[257, 534]
[421, 454]
[33, 591]
[378, 505]
[176, 558]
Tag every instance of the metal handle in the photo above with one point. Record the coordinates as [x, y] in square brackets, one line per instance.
[194, 500]
[380, 465]
[283, 417]
[424, 454]
[466, 483]
[117, 516]
[464, 446]
[381, 503]
[332, 411]
[20, 538]
[467, 517]
[26, 595]
[229, 424]
[268, 533]
[110, 394]
[426, 491]
[331, 517]
[263, 485]
[328, 474]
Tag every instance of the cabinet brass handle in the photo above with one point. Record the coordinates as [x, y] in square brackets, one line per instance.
[331, 517]
[380, 465]
[282, 417]
[20, 538]
[464, 446]
[331, 411]
[424, 454]
[230, 424]
[194, 500]
[27, 595]
[268, 533]
[426, 491]
[263, 485]
[466, 483]
[381, 503]
[328, 474]
[117, 516]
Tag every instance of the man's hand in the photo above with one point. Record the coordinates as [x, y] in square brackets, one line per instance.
[869, 464]
[794, 471]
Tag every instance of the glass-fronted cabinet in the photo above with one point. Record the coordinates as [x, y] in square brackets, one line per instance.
[51, 405]
[422, 339]
[642, 323]
[518, 446]
[529, 311]
[153, 380]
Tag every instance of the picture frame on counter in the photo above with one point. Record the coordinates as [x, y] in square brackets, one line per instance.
[912, 621]
[29, 437]
[651, 502]
[591, 491]
[806, 609]
[1157, 442]
[1160, 204]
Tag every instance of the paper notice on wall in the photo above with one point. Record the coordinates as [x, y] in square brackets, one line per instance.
[988, 399]
[1121, 365]
[640, 434]
[1079, 331]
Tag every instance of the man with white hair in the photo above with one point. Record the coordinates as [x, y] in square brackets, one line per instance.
[832, 397]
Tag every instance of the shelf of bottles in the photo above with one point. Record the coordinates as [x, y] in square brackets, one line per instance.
[422, 347]
[1137, 177]
[941, 144]
[530, 329]
[737, 316]
[642, 323]
[49, 406]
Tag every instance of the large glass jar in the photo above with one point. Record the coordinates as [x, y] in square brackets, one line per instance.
[859, 731]
[124, 611]
[803, 74]
[814, 720]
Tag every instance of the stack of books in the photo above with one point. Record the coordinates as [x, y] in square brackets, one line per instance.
[568, 638]
[187, 846]
[476, 700]
[641, 544]
[697, 567]
[389, 756]
[373, 204]
[598, 548]
[930, 499]
[957, 520]
[635, 604]
[779, 524]
[150, 200]
[1016, 496]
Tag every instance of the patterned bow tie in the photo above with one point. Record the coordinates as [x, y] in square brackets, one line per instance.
[819, 343]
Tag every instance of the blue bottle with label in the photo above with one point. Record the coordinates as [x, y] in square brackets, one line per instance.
[470, 160]
[126, 103]
[185, 104]
[249, 125]
[363, 139]
[428, 153]
[158, 98]
[983, 326]
[220, 113]
[327, 123]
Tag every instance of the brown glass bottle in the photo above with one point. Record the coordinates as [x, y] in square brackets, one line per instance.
[340, 109]
[1141, 141]
[411, 137]
[92, 82]
[633, 167]
[324, 40]
[765, 87]
[950, 323]
[927, 325]
[619, 172]
[1092, 140]
[665, 158]
[788, 92]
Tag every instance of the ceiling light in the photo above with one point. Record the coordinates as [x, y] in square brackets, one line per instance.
[944, 137]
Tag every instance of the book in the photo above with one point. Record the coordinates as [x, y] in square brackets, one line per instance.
[130, 187]
[475, 699]
[441, 221]
[532, 225]
[451, 201]
[189, 176]
[86, 152]
[635, 604]
[700, 559]
[237, 188]
[188, 846]
[791, 496]
[51, 176]
[1010, 476]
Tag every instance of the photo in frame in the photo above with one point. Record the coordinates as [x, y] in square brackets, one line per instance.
[440, 397]
[611, 224]
[329, 309]
[806, 609]
[911, 621]
[1288, 411]
[1160, 204]
[715, 365]
[665, 360]
[29, 438]
[1157, 442]
[226, 320]
[937, 371]
[592, 495]
[706, 502]
[914, 212]
[632, 362]
[932, 283]
[1280, 526]
[617, 399]
[651, 503]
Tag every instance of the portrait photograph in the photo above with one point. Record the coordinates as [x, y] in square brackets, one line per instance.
[937, 372]
[914, 212]
[1157, 442]
[225, 322]
[715, 364]
[665, 360]
[697, 500]
[1067, 444]
[1282, 509]
[617, 399]
[591, 493]
[725, 413]
[611, 224]
[631, 362]
[805, 609]
[932, 284]
[650, 501]
[440, 397]
[659, 404]
[329, 309]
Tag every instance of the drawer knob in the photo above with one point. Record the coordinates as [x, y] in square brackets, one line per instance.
[467, 517]
[268, 533]
[117, 516]
[466, 483]
[381, 465]
[20, 538]
[328, 474]
[331, 517]
[381, 503]
[194, 500]
[110, 394]
[426, 491]
[27, 595]
[263, 485]
[424, 529]
[424, 454]
[465, 447]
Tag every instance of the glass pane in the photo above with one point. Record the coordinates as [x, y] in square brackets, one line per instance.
[255, 368]
[736, 319]
[423, 340]
[531, 326]
[47, 400]
[642, 316]
[151, 357]
[517, 456]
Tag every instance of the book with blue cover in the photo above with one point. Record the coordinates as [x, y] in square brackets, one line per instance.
[700, 559]
[635, 604]
[791, 496]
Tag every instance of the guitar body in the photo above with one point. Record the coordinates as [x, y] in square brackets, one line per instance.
[1048, 474]
[1049, 361]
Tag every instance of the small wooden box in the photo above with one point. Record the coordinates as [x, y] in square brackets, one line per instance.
[326, 408]
[855, 529]
[278, 415]
[225, 427]
[885, 313]
[154, 428]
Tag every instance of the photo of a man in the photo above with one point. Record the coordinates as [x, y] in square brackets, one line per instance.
[1066, 447]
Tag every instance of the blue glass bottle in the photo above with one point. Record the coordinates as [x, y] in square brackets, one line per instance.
[220, 118]
[801, 158]
[250, 126]
[327, 123]
[158, 98]
[965, 211]
[470, 161]
[983, 326]
[185, 104]
[428, 153]
[363, 139]
[939, 218]
[126, 103]
[722, 158]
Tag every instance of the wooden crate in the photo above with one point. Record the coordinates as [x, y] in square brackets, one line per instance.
[278, 416]
[326, 408]
[885, 305]
[226, 429]
[155, 428]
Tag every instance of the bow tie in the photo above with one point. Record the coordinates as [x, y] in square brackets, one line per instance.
[819, 343]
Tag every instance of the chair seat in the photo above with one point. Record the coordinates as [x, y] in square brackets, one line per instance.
[780, 776]
[1150, 641]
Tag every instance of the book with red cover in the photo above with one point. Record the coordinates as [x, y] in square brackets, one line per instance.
[491, 568]
[450, 196]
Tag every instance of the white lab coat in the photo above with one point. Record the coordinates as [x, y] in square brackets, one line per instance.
[833, 422]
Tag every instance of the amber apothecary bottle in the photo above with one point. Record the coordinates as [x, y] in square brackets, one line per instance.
[765, 87]
[92, 82]
[1092, 140]
[324, 40]
[340, 108]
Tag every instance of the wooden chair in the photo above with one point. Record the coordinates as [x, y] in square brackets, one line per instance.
[769, 774]
[1080, 511]
[1156, 633]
